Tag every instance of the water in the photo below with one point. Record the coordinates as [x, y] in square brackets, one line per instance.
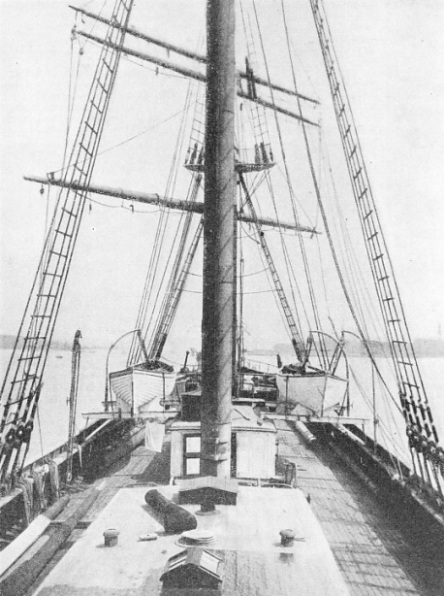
[51, 427]
[51, 424]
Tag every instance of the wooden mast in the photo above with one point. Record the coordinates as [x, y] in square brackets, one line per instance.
[218, 267]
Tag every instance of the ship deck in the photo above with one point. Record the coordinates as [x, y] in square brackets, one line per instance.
[374, 556]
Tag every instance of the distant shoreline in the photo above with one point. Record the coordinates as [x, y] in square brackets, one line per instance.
[424, 348]
[7, 342]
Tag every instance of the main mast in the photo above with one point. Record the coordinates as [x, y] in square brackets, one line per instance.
[219, 222]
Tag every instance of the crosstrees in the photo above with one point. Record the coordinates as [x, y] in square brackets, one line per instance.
[427, 456]
[23, 380]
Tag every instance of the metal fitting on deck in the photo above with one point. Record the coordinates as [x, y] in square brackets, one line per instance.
[111, 536]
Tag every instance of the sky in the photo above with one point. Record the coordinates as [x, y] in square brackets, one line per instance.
[391, 55]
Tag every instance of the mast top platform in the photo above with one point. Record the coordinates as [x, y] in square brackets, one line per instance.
[240, 168]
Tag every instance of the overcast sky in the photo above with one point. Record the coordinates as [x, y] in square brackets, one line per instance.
[391, 54]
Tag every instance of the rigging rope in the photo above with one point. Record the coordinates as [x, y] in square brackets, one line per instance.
[289, 265]
[320, 202]
[172, 294]
[356, 270]
[390, 432]
[420, 428]
[40, 431]
[323, 213]
[69, 110]
[184, 216]
[26, 367]
[166, 307]
[147, 294]
[292, 193]
[275, 295]
[129, 139]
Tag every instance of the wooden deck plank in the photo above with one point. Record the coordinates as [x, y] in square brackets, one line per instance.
[371, 552]
[245, 535]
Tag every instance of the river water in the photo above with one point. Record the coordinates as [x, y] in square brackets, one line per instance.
[51, 428]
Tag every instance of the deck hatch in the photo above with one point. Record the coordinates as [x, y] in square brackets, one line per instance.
[193, 568]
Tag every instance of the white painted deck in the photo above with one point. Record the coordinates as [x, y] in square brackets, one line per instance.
[247, 535]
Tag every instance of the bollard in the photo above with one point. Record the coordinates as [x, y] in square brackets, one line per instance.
[287, 537]
[111, 537]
